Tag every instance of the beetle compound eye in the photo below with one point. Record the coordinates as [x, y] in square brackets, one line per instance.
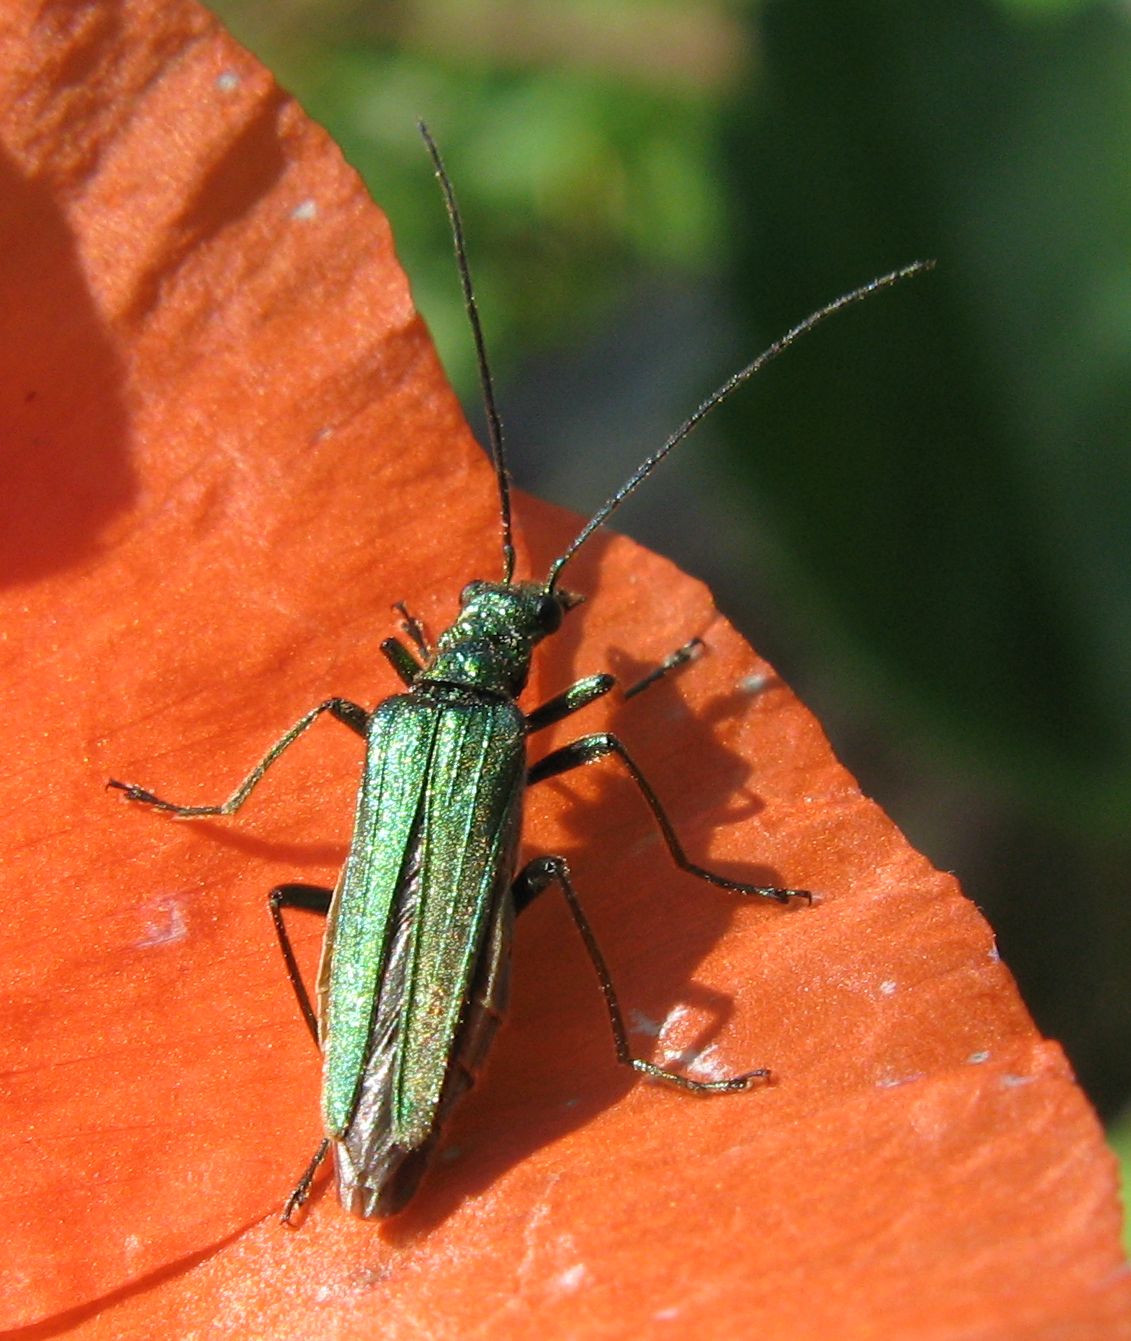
[549, 614]
[469, 593]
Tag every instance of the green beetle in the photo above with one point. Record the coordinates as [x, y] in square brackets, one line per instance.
[414, 970]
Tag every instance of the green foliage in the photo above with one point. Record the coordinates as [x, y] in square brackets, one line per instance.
[970, 459]
[1119, 1136]
[570, 178]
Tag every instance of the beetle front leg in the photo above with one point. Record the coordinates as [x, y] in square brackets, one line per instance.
[402, 661]
[690, 651]
[352, 715]
[584, 692]
[569, 701]
[414, 629]
[545, 871]
[407, 664]
[589, 749]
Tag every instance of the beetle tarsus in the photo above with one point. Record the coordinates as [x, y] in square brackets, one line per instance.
[299, 1196]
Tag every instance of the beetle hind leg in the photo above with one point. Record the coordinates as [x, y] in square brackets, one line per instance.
[298, 1197]
[315, 899]
[546, 871]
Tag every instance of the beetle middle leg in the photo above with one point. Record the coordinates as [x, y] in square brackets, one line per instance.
[588, 749]
[545, 871]
[352, 715]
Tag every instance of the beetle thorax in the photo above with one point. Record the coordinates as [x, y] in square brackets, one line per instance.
[489, 646]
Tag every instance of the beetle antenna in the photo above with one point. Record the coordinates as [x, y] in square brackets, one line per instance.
[717, 397]
[494, 424]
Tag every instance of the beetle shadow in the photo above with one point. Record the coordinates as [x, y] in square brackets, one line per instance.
[553, 1066]
[309, 859]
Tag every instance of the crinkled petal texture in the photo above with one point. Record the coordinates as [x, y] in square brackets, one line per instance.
[228, 449]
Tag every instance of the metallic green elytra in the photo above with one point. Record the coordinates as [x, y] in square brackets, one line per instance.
[413, 978]
[431, 862]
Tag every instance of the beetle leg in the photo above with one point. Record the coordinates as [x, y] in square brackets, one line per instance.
[402, 661]
[588, 750]
[584, 692]
[680, 657]
[315, 899]
[302, 1188]
[415, 631]
[401, 658]
[351, 714]
[570, 700]
[541, 873]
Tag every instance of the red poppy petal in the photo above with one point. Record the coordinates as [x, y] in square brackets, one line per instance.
[229, 448]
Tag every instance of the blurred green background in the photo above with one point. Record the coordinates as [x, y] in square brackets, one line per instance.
[921, 515]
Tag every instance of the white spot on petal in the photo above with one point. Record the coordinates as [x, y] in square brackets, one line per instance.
[675, 1017]
[164, 923]
[571, 1279]
[894, 1082]
[639, 1023]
